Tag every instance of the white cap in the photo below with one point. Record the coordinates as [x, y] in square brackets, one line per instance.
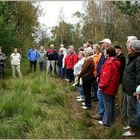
[106, 40]
[138, 89]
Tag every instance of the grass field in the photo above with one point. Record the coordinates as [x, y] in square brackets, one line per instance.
[41, 107]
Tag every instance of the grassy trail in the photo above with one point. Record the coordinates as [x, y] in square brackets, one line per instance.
[41, 107]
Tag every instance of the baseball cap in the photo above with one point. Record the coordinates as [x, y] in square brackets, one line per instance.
[106, 40]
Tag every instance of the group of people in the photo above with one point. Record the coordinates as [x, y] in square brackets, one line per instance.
[97, 70]
[102, 68]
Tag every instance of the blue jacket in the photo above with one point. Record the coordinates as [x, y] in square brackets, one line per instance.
[33, 55]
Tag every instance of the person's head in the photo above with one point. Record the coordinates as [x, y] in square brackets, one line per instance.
[89, 43]
[51, 46]
[134, 47]
[81, 54]
[96, 48]
[138, 90]
[111, 52]
[84, 45]
[129, 39]
[105, 43]
[60, 51]
[88, 52]
[118, 49]
[41, 48]
[15, 50]
[71, 48]
[61, 45]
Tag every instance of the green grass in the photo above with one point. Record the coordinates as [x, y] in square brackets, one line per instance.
[40, 107]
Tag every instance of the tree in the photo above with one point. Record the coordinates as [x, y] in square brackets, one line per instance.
[17, 23]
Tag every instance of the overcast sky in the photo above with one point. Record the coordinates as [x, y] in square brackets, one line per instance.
[52, 11]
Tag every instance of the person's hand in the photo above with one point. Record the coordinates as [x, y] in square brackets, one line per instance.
[97, 79]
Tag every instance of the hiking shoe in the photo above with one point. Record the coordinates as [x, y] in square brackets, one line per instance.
[83, 104]
[78, 97]
[85, 107]
[80, 100]
[126, 127]
[100, 122]
[129, 134]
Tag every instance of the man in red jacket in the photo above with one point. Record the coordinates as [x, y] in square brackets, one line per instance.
[109, 83]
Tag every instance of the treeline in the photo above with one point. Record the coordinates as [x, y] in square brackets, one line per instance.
[99, 19]
[18, 22]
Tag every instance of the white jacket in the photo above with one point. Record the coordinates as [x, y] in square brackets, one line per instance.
[15, 58]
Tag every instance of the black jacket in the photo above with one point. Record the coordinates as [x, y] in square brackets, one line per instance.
[131, 77]
[122, 59]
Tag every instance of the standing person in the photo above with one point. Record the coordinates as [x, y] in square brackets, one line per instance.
[108, 85]
[2, 63]
[60, 63]
[77, 70]
[15, 58]
[33, 56]
[105, 44]
[122, 59]
[42, 58]
[87, 77]
[64, 53]
[124, 98]
[96, 57]
[130, 82]
[71, 60]
[52, 60]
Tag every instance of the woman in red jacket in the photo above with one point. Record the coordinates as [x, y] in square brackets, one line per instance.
[109, 83]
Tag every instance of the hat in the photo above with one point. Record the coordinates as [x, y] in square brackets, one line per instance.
[131, 38]
[135, 45]
[106, 40]
[117, 47]
[138, 89]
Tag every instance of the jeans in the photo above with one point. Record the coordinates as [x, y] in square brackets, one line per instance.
[109, 110]
[100, 103]
[132, 111]
[81, 91]
[42, 65]
[94, 88]
[60, 72]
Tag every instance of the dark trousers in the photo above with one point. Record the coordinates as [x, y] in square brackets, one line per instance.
[94, 88]
[2, 73]
[33, 63]
[42, 65]
[70, 75]
[132, 111]
[87, 90]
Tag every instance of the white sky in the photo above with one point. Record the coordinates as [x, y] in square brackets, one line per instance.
[52, 11]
